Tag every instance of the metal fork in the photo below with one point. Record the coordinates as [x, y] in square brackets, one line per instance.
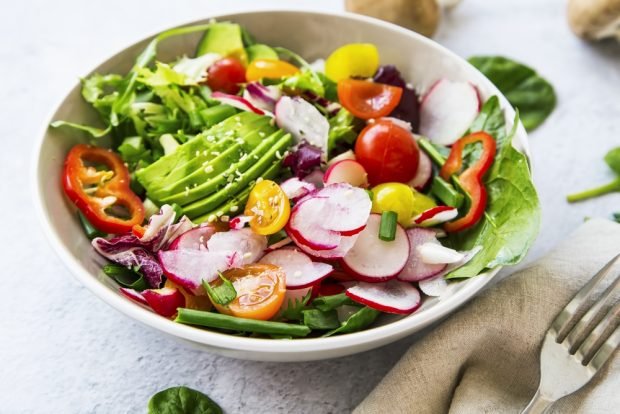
[573, 351]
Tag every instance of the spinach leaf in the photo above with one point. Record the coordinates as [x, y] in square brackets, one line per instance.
[126, 277]
[306, 80]
[512, 218]
[182, 400]
[222, 294]
[316, 319]
[327, 303]
[612, 158]
[522, 86]
[356, 322]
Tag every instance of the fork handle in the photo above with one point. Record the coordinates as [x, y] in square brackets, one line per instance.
[538, 405]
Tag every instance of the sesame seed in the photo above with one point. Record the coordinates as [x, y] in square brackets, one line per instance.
[209, 169]
[247, 255]
[219, 213]
[278, 155]
[210, 138]
[261, 134]
[211, 218]
[239, 173]
[216, 153]
[229, 133]
[225, 219]
[234, 208]
[259, 179]
[255, 156]
[198, 153]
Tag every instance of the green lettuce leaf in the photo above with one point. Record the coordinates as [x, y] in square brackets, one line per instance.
[523, 87]
[92, 131]
[512, 218]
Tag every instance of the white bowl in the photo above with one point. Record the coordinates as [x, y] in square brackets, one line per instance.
[312, 35]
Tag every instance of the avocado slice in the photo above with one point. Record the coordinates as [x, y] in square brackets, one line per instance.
[238, 202]
[225, 39]
[201, 207]
[198, 192]
[260, 51]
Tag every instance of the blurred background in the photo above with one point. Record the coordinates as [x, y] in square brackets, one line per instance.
[87, 358]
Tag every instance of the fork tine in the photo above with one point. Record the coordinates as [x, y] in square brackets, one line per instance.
[565, 318]
[577, 334]
[588, 347]
[605, 351]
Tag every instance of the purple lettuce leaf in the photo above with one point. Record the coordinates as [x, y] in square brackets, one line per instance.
[303, 160]
[409, 107]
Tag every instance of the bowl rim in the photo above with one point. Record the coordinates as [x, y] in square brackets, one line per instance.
[380, 335]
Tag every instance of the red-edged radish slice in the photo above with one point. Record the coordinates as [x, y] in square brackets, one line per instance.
[294, 188]
[345, 244]
[277, 245]
[435, 286]
[303, 121]
[305, 225]
[239, 222]
[415, 269]
[237, 102]
[249, 245]
[347, 155]
[435, 215]
[347, 208]
[447, 111]
[424, 173]
[374, 260]
[134, 295]
[346, 171]
[300, 271]
[435, 253]
[392, 297]
[195, 239]
[187, 268]
[164, 301]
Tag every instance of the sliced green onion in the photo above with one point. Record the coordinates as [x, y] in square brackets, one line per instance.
[89, 229]
[446, 192]
[217, 320]
[387, 228]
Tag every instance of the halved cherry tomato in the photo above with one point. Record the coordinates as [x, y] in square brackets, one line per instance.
[191, 301]
[387, 152]
[270, 69]
[269, 208]
[225, 75]
[260, 291]
[97, 192]
[366, 99]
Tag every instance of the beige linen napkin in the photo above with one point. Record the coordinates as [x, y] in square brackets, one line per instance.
[485, 359]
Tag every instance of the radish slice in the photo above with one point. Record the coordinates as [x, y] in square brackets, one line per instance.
[424, 173]
[294, 188]
[435, 253]
[261, 96]
[374, 260]
[348, 155]
[187, 268]
[436, 215]
[249, 245]
[164, 301]
[347, 208]
[346, 171]
[303, 121]
[447, 111]
[195, 239]
[415, 269]
[435, 286]
[285, 241]
[237, 102]
[134, 295]
[315, 178]
[346, 243]
[305, 225]
[239, 222]
[392, 296]
[300, 271]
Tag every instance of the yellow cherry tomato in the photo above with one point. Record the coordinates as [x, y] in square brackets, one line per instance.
[191, 301]
[269, 208]
[270, 69]
[260, 291]
[401, 199]
[354, 59]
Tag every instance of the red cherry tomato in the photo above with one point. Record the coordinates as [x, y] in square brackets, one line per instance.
[388, 153]
[225, 75]
[366, 99]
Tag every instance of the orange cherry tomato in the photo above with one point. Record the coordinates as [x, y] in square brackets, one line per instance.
[387, 152]
[270, 69]
[191, 301]
[366, 99]
[269, 208]
[260, 291]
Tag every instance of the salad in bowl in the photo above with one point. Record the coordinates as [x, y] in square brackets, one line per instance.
[245, 190]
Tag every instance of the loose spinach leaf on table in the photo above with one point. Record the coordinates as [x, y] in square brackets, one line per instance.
[523, 87]
[512, 217]
[612, 158]
[182, 400]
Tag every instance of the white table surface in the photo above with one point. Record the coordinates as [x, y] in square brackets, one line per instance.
[62, 350]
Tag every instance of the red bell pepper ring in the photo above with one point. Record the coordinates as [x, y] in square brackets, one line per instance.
[471, 178]
[95, 191]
